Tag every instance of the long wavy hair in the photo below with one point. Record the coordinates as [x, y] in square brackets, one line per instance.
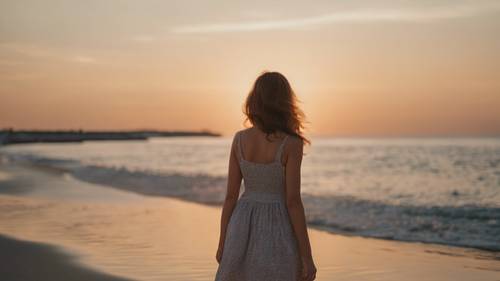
[272, 106]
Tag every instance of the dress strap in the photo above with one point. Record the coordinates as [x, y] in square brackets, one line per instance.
[240, 150]
[280, 149]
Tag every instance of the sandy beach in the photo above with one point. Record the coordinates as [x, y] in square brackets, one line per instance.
[123, 123]
[48, 220]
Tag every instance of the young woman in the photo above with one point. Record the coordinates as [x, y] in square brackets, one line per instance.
[263, 234]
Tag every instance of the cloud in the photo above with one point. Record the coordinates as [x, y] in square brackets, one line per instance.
[27, 50]
[38, 52]
[357, 16]
[143, 38]
[83, 59]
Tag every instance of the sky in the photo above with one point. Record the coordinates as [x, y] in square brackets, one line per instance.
[359, 68]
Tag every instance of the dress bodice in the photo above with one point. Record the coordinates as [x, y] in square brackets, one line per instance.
[263, 180]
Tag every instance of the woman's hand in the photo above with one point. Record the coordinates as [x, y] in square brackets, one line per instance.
[308, 270]
[218, 256]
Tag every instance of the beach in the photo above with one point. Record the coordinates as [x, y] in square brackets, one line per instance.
[120, 124]
[111, 234]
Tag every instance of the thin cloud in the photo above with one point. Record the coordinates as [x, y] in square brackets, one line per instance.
[143, 38]
[83, 59]
[360, 16]
[27, 50]
[34, 51]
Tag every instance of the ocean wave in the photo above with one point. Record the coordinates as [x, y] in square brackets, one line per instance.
[194, 187]
[464, 226]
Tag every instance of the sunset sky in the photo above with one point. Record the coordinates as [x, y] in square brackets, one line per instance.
[360, 68]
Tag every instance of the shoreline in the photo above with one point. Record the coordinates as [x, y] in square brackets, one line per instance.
[153, 238]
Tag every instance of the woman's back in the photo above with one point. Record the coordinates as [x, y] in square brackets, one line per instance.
[256, 147]
[263, 175]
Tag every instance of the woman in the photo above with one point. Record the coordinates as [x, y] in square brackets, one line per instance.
[263, 234]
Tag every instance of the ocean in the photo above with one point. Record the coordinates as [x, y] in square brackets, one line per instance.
[431, 190]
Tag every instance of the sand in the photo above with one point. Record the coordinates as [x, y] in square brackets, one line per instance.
[21, 260]
[98, 232]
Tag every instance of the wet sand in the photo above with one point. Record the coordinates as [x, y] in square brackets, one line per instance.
[107, 232]
[21, 260]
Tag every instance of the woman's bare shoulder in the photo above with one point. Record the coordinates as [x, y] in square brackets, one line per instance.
[239, 133]
[295, 140]
[243, 131]
[294, 144]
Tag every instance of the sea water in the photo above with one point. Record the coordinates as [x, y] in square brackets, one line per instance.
[436, 190]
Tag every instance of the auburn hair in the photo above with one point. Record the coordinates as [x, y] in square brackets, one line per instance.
[272, 106]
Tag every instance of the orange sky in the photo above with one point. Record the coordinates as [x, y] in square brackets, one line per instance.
[360, 68]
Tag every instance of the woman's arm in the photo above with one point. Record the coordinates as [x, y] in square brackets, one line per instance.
[295, 207]
[233, 191]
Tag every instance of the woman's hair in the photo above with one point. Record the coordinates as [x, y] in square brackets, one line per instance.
[272, 106]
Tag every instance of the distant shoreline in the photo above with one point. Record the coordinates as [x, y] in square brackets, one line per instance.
[57, 136]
